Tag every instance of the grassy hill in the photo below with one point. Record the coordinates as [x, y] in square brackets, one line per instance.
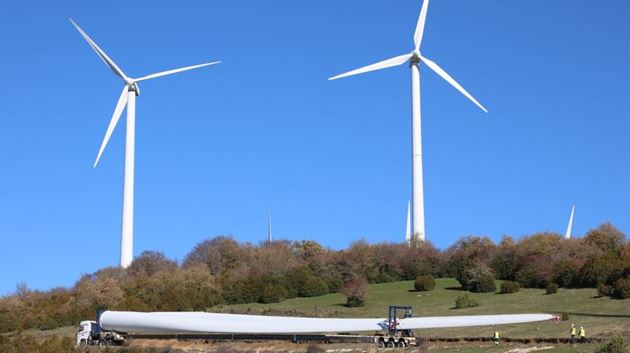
[602, 317]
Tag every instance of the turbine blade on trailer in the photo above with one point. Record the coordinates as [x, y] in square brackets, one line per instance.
[122, 101]
[422, 20]
[399, 60]
[174, 71]
[438, 70]
[108, 61]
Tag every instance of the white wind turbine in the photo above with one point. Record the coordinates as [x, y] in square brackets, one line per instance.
[128, 99]
[415, 58]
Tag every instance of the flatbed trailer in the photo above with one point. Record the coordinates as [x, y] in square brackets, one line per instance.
[296, 338]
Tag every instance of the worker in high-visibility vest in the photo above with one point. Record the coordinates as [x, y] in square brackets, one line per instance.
[573, 332]
[582, 335]
[496, 337]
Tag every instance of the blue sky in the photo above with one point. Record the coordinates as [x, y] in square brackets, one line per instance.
[217, 147]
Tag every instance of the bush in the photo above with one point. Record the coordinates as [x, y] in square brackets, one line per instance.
[273, 293]
[564, 317]
[604, 290]
[483, 284]
[313, 287]
[552, 288]
[424, 283]
[464, 301]
[622, 288]
[509, 287]
[616, 345]
[356, 291]
[477, 278]
[335, 284]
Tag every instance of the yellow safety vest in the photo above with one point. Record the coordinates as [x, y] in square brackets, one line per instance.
[582, 333]
[496, 335]
[573, 331]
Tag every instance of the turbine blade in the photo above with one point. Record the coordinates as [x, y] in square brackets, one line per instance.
[399, 60]
[438, 70]
[422, 20]
[174, 71]
[106, 59]
[122, 101]
[567, 234]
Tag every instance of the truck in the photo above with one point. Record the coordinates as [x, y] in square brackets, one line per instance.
[90, 333]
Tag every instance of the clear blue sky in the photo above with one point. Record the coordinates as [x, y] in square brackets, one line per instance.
[218, 147]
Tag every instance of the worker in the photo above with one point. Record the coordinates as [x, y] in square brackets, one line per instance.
[582, 334]
[496, 337]
[573, 331]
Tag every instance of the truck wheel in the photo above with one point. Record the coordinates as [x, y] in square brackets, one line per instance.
[381, 344]
[83, 342]
[390, 344]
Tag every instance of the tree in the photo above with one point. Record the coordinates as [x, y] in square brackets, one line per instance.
[606, 238]
[149, 263]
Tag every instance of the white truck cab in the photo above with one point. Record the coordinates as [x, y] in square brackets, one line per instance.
[90, 334]
[84, 335]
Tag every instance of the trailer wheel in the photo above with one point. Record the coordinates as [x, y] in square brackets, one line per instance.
[83, 342]
[381, 343]
[391, 344]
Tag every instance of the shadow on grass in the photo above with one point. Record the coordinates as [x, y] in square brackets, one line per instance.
[596, 315]
[455, 288]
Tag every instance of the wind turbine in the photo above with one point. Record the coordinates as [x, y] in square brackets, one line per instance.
[415, 58]
[567, 234]
[127, 99]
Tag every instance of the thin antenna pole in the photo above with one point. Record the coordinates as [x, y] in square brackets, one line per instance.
[269, 236]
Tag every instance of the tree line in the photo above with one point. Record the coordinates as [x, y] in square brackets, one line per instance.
[221, 271]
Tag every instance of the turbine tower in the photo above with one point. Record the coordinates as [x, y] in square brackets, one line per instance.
[127, 99]
[567, 234]
[415, 58]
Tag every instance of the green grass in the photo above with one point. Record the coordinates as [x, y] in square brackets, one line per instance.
[601, 317]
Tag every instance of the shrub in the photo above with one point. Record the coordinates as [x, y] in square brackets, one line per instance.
[424, 283]
[477, 278]
[616, 345]
[604, 290]
[356, 291]
[464, 301]
[509, 287]
[622, 288]
[313, 287]
[483, 284]
[273, 293]
[552, 288]
[564, 317]
[335, 284]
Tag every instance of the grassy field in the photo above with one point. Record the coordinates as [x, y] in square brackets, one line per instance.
[601, 317]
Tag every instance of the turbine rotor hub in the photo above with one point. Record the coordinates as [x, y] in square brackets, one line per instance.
[134, 88]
